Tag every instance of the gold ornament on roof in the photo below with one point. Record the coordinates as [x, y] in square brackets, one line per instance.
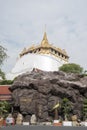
[32, 47]
[46, 48]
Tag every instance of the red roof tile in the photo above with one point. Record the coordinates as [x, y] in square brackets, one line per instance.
[4, 89]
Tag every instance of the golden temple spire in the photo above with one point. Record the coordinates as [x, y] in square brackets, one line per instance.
[45, 40]
[45, 37]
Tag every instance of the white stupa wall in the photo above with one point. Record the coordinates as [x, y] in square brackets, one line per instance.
[30, 61]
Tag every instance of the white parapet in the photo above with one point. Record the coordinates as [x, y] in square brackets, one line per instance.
[56, 121]
[67, 123]
[25, 123]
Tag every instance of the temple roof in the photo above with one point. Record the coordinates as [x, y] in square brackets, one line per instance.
[44, 44]
[4, 89]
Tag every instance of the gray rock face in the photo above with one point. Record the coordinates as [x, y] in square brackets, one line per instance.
[36, 93]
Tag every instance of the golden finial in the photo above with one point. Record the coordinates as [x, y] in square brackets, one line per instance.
[45, 40]
[45, 28]
[45, 36]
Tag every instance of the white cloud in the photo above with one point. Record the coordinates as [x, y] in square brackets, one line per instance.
[22, 23]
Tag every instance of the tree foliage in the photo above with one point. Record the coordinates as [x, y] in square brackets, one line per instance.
[85, 109]
[5, 82]
[4, 107]
[2, 74]
[71, 67]
[3, 55]
[66, 108]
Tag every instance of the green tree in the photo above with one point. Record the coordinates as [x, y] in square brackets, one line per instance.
[84, 73]
[84, 109]
[5, 82]
[3, 56]
[4, 108]
[2, 74]
[66, 108]
[71, 67]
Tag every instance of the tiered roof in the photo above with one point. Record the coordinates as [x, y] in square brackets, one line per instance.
[45, 48]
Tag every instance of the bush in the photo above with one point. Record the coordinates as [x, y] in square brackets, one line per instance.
[71, 67]
[5, 82]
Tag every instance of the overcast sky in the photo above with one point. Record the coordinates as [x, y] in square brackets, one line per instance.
[22, 24]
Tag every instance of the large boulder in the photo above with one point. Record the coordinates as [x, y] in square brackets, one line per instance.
[37, 92]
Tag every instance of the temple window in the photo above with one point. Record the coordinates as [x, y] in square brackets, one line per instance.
[55, 52]
[62, 55]
[52, 50]
[59, 54]
[65, 57]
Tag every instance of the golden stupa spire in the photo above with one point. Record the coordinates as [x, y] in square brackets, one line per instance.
[45, 37]
[45, 40]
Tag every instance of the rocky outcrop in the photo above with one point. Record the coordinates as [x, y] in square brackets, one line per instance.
[38, 91]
